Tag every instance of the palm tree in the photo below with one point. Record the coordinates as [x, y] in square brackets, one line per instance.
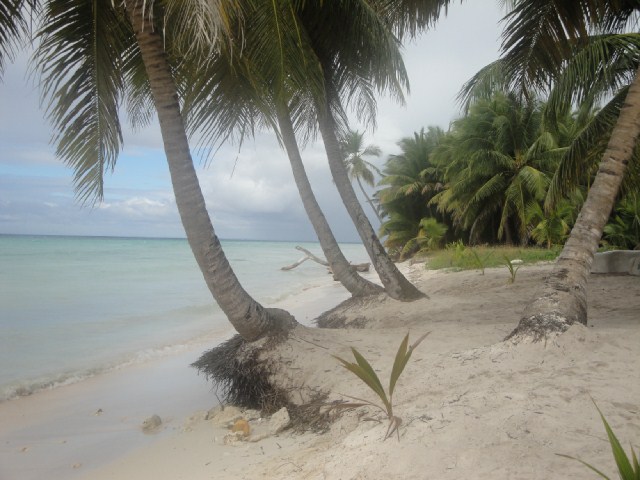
[496, 161]
[358, 168]
[410, 181]
[338, 263]
[552, 227]
[238, 94]
[534, 61]
[85, 66]
[623, 230]
[350, 67]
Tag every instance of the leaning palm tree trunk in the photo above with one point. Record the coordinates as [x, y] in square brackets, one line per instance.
[248, 317]
[369, 201]
[563, 301]
[344, 272]
[396, 285]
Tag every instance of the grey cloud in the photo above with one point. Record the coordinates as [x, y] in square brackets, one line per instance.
[257, 201]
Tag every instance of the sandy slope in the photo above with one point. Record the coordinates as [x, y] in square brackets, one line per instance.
[472, 406]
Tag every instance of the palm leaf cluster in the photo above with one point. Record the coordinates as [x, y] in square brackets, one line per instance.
[519, 165]
[496, 162]
[409, 181]
[490, 177]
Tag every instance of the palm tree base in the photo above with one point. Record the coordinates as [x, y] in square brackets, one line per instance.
[241, 376]
[554, 311]
[283, 321]
[563, 299]
[339, 316]
[539, 327]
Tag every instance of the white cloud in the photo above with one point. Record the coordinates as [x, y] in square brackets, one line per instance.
[140, 207]
[250, 194]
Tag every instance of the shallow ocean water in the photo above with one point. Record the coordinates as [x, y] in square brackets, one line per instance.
[71, 307]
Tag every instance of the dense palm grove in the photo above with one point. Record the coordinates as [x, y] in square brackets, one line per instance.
[489, 180]
[550, 129]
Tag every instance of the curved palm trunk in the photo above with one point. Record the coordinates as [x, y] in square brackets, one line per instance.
[353, 282]
[369, 201]
[396, 285]
[248, 317]
[563, 301]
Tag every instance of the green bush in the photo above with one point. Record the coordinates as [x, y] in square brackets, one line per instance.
[460, 257]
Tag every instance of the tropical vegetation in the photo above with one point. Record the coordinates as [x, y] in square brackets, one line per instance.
[582, 64]
[484, 181]
[517, 168]
[130, 55]
[358, 167]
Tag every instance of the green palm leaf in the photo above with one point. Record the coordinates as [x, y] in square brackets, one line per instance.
[402, 358]
[531, 60]
[363, 370]
[14, 26]
[82, 63]
[596, 71]
[625, 468]
[585, 151]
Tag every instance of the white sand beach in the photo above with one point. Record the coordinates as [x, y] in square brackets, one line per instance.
[472, 406]
[63, 432]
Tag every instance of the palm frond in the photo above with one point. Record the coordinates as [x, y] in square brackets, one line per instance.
[363, 62]
[584, 151]
[483, 85]
[598, 70]
[201, 27]
[14, 26]
[81, 65]
[541, 35]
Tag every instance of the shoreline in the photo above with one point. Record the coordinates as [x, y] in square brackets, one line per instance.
[65, 430]
[472, 405]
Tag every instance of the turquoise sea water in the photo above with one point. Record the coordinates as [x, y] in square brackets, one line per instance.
[71, 307]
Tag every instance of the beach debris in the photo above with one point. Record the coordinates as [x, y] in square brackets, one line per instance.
[224, 416]
[232, 438]
[76, 466]
[151, 424]
[252, 427]
[279, 421]
[252, 415]
[360, 267]
[99, 412]
[241, 426]
[240, 431]
[308, 256]
[273, 426]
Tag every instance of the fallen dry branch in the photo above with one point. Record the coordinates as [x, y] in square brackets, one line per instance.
[360, 267]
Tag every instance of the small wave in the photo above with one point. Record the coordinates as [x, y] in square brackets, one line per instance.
[298, 291]
[24, 388]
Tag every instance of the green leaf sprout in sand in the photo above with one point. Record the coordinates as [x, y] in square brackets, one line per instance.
[364, 371]
[628, 469]
[512, 268]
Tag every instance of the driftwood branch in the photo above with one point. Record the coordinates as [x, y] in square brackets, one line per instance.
[312, 256]
[360, 267]
[294, 265]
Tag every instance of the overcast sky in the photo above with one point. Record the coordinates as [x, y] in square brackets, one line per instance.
[257, 199]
